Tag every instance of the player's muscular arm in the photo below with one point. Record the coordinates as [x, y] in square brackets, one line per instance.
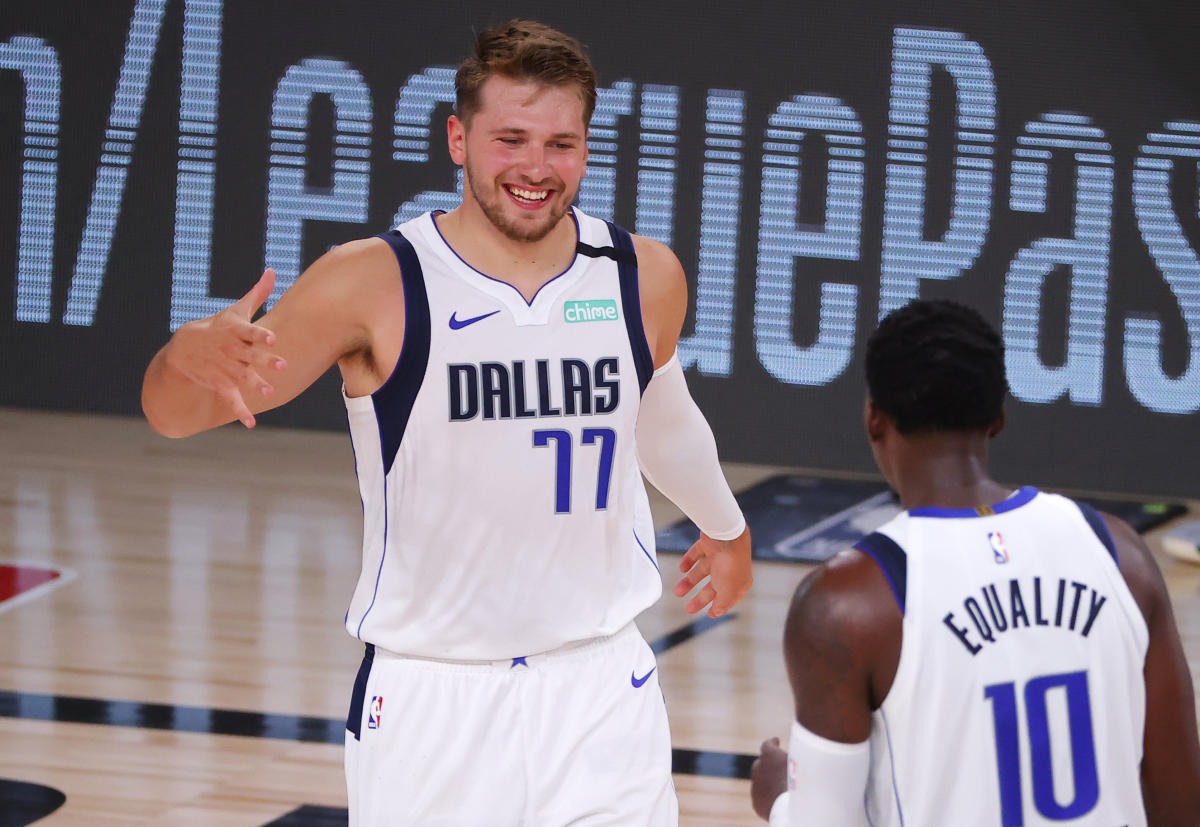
[226, 367]
[841, 645]
[1171, 749]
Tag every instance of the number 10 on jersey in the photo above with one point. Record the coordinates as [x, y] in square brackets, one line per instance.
[607, 439]
[1086, 783]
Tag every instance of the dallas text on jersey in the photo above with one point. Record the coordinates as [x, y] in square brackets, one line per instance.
[512, 391]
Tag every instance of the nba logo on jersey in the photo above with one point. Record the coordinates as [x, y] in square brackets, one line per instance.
[375, 714]
[998, 549]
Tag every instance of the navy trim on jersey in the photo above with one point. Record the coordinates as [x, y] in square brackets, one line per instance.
[1100, 527]
[528, 302]
[627, 271]
[645, 552]
[605, 252]
[887, 731]
[394, 400]
[891, 559]
[358, 696]
[1015, 501]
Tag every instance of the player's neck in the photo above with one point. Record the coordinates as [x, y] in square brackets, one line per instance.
[526, 265]
[945, 471]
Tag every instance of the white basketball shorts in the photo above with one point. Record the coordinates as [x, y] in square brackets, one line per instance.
[576, 736]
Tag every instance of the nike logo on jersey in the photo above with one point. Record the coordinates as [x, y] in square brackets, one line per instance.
[636, 681]
[455, 324]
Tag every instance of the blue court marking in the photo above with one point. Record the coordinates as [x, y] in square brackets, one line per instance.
[688, 631]
[312, 816]
[37, 707]
[22, 803]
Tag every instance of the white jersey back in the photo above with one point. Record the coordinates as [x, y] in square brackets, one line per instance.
[504, 512]
[1019, 697]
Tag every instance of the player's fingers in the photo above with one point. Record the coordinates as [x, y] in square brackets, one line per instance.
[696, 552]
[258, 357]
[701, 600]
[259, 293]
[726, 600]
[229, 372]
[767, 744]
[692, 578]
[256, 334]
[247, 376]
[233, 396]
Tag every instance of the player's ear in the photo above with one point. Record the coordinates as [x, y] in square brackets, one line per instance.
[996, 427]
[875, 420]
[456, 139]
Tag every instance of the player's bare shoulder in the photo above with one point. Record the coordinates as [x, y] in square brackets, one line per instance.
[1138, 566]
[662, 288]
[371, 283]
[843, 629]
[349, 306]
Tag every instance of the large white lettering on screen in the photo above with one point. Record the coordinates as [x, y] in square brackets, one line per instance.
[418, 98]
[710, 346]
[124, 118]
[781, 239]
[1086, 254]
[907, 256]
[1161, 230]
[41, 74]
[195, 184]
[910, 249]
[290, 200]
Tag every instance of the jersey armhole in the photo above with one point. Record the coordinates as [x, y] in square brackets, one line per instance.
[627, 272]
[1097, 524]
[394, 399]
[891, 559]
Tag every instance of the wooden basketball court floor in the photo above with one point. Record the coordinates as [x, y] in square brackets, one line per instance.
[210, 578]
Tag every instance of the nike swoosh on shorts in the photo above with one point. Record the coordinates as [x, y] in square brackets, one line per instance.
[636, 681]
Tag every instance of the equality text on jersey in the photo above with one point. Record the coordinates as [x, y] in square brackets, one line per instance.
[1059, 604]
[520, 390]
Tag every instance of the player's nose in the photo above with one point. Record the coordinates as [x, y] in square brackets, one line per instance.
[534, 163]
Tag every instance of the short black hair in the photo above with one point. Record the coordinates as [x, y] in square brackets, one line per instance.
[937, 365]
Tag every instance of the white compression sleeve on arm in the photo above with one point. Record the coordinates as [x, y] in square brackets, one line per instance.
[678, 454]
[827, 781]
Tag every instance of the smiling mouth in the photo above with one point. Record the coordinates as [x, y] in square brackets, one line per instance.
[524, 196]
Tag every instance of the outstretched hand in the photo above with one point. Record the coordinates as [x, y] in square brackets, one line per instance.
[227, 353]
[726, 564]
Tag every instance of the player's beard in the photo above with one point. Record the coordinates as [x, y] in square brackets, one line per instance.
[493, 209]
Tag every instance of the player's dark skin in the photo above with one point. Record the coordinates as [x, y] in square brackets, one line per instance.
[842, 637]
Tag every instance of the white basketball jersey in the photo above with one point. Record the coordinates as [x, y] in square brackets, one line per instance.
[504, 512]
[1019, 697]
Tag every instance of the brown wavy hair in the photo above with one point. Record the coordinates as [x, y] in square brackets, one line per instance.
[525, 50]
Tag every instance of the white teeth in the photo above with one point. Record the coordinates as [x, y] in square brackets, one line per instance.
[528, 195]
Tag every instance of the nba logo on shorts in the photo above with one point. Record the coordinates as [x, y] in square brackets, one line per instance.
[375, 714]
[998, 549]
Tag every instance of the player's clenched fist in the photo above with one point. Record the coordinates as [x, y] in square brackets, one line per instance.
[726, 564]
[227, 353]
